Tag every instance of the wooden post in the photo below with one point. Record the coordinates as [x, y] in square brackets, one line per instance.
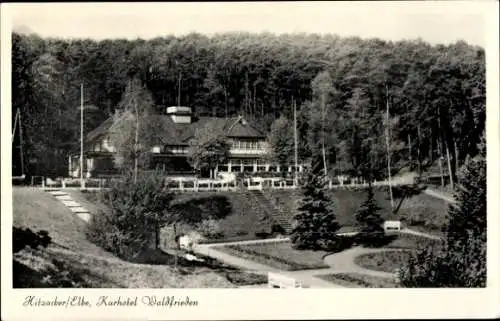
[449, 164]
[388, 140]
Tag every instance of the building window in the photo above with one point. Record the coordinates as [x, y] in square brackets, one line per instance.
[156, 149]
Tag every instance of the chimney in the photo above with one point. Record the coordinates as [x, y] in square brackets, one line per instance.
[179, 114]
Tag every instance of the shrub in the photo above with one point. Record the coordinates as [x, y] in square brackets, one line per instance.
[22, 237]
[277, 229]
[210, 228]
[373, 239]
[137, 211]
[462, 261]
[339, 244]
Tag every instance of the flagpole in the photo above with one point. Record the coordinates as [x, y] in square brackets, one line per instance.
[81, 136]
[295, 138]
[21, 143]
[388, 139]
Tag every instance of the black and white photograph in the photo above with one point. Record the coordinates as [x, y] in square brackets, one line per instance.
[255, 145]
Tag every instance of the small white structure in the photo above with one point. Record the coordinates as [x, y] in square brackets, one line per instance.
[392, 226]
[185, 242]
[275, 280]
[191, 257]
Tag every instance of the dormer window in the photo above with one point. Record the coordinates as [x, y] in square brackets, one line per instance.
[179, 114]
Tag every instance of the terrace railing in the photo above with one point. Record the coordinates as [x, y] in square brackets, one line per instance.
[189, 184]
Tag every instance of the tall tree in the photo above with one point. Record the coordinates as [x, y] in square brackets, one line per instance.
[462, 260]
[368, 215]
[207, 148]
[323, 89]
[315, 224]
[131, 140]
[281, 141]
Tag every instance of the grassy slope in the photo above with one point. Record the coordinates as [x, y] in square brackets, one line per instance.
[240, 224]
[422, 212]
[96, 267]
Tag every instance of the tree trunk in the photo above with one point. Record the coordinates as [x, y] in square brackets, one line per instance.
[179, 90]
[225, 100]
[450, 172]
[457, 165]
[419, 160]
[323, 132]
[388, 144]
[136, 142]
[409, 151]
[176, 246]
[441, 164]
[246, 105]
[254, 100]
[157, 235]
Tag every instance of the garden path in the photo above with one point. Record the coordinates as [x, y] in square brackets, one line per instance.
[342, 262]
[440, 195]
[306, 276]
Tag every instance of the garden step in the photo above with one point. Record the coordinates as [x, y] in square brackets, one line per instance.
[84, 216]
[57, 193]
[70, 203]
[276, 214]
[78, 209]
[63, 197]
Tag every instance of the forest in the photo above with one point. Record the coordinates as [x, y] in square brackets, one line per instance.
[355, 98]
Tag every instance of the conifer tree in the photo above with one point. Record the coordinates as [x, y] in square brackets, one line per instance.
[315, 223]
[368, 216]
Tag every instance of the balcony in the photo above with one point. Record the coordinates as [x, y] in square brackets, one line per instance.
[247, 151]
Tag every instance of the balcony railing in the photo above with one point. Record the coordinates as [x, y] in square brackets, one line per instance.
[251, 151]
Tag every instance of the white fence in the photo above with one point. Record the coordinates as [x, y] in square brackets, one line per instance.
[190, 184]
[275, 280]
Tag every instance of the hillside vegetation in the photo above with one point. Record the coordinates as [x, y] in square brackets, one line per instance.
[81, 263]
[241, 216]
[420, 211]
[436, 93]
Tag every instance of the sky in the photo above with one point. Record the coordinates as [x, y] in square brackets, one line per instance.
[436, 22]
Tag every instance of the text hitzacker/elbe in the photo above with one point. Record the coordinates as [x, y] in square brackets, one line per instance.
[103, 301]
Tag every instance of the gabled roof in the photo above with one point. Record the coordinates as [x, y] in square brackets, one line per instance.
[166, 132]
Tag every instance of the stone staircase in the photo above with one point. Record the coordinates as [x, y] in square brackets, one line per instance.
[73, 206]
[277, 215]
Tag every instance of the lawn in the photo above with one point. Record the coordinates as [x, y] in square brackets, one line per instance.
[356, 280]
[237, 214]
[73, 261]
[421, 212]
[279, 255]
[413, 242]
[387, 261]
